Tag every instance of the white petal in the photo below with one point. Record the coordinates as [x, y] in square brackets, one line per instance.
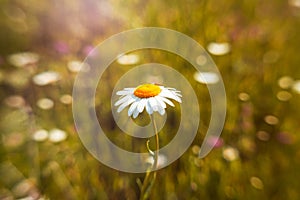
[177, 93]
[123, 99]
[168, 94]
[167, 101]
[129, 89]
[122, 106]
[124, 92]
[161, 110]
[160, 107]
[133, 107]
[153, 104]
[173, 90]
[149, 108]
[142, 105]
[160, 102]
[135, 113]
[169, 88]
[178, 99]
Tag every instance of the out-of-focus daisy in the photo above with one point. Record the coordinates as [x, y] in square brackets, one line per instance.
[77, 66]
[23, 59]
[219, 49]
[161, 160]
[46, 78]
[40, 135]
[45, 103]
[152, 97]
[128, 59]
[57, 135]
[66, 99]
[230, 153]
[206, 77]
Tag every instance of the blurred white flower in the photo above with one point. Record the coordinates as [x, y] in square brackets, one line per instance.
[151, 97]
[271, 119]
[219, 49]
[57, 135]
[40, 135]
[15, 101]
[243, 96]
[45, 103]
[23, 59]
[295, 3]
[206, 77]
[263, 135]
[66, 99]
[256, 183]
[128, 59]
[283, 96]
[46, 78]
[77, 66]
[230, 153]
[161, 160]
[285, 82]
[296, 86]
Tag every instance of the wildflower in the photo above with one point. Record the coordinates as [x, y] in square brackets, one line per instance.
[152, 97]
[46, 78]
[57, 135]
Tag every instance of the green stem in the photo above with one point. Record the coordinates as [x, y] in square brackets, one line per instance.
[147, 186]
[155, 164]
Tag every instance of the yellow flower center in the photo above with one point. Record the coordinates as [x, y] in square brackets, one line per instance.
[147, 90]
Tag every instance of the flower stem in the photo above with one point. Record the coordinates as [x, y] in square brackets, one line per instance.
[155, 164]
[148, 183]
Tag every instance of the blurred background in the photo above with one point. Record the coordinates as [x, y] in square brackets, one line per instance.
[255, 45]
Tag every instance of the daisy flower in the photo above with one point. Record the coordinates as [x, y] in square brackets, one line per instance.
[152, 97]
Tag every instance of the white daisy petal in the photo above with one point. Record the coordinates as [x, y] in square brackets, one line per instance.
[123, 99]
[160, 101]
[167, 101]
[179, 99]
[172, 89]
[168, 94]
[153, 104]
[129, 89]
[142, 105]
[122, 106]
[177, 93]
[149, 108]
[135, 113]
[124, 92]
[132, 108]
[161, 110]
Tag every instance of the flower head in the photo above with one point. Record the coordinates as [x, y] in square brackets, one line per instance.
[152, 97]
